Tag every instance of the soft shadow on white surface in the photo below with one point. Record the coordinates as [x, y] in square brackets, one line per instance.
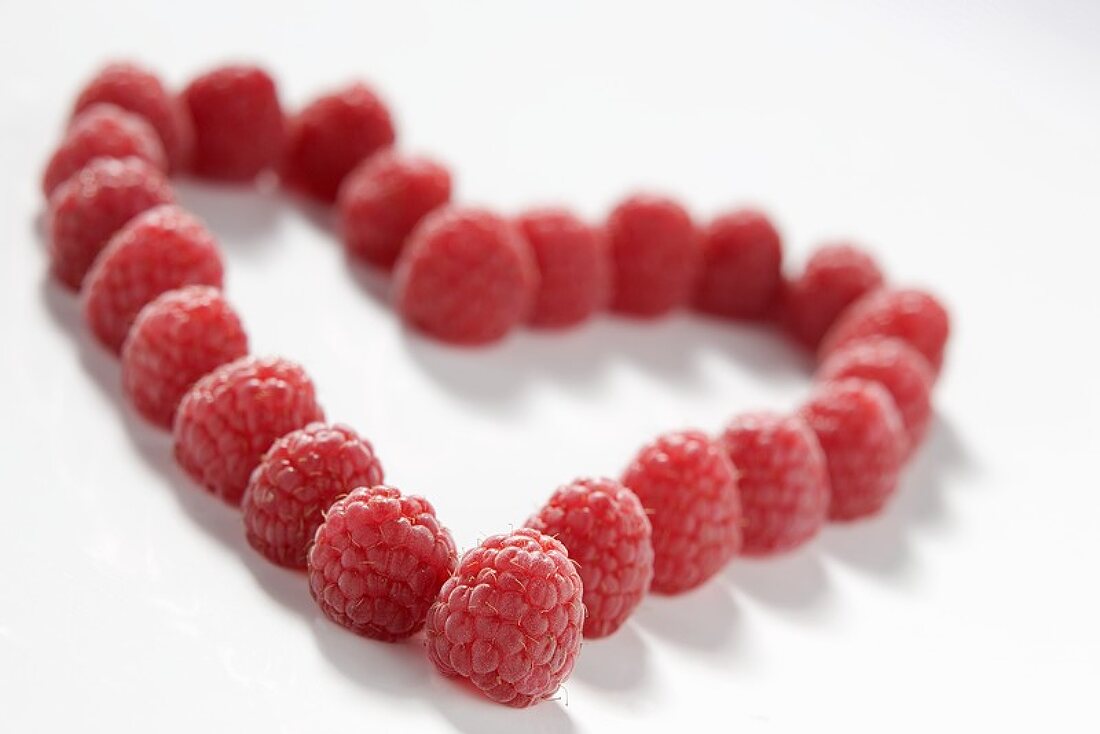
[242, 217]
[794, 582]
[705, 620]
[616, 663]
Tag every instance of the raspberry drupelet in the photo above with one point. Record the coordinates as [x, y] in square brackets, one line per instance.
[509, 619]
[688, 487]
[741, 273]
[299, 477]
[605, 529]
[834, 277]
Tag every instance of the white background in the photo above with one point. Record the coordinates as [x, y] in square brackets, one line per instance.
[960, 144]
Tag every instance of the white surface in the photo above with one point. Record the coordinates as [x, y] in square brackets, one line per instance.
[961, 145]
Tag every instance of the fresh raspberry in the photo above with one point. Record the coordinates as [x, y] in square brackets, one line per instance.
[655, 255]
[861, 433]
[835, 276]
[378, 561]
[741, 272]
[237, 120]
[329, 138]
[466, 276]
[783, 480]
[574, 267]
[300, 476]
[138, 90]
[688, 488]
[911, 315]
[102, 131]
[608, 536]
[95, 203]
[159, 250]
[897, 367]
[228, 420]
[179, 337]
[384, 198]
[510, 618]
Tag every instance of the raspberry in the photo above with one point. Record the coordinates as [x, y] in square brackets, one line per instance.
[179, 337]
[911, 315]
[608, 536]
[689, 490]
[573, 264]
[835, 276]
[328, 138]
[102, 131]
[897, 367]
[159, 250]
[378, 561]
[861, 434]
[94, 204]
[466, 276]
[384, 198]
[237, 120]
[655, 254]
[741, 271]
[509, 619]
[300, 476]
[783, 480]
[228, 420]
[138, 90]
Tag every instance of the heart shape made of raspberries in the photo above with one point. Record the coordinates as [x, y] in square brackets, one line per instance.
[368, 521]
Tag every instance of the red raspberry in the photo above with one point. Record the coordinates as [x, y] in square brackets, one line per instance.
[300, 476]
[329, 138]
[861, 433]
[655, 254]
[897, 367]
[835, 276]
[228, 420]
[237, 120]
[378, 561]
[138, 90]
[510, 618]
[466, 276]
[384, 198]
[783, 480]
[689, 490]
[741, 272]
[159, 250]
[574, 267]
[911, 315]
[179, 337]
[608, 536]
[94, 204]
[102, 131]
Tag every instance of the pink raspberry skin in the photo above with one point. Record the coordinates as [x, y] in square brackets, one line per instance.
[329, 138]
[102, 131]
[159, 250]
[914, 316]
[606, 531]
[238, 122]
[230, 418]
[742, 266]
[466, 276]
[688, 488]
[655, 254]
[382, 201]
[861, 433]
[574, 267]
[138, 90]
[783, 480]
[509, 619]
[177, 338]
[899, 368]
[835, 276]
[300, 476]
[378, 562]
[88, 208]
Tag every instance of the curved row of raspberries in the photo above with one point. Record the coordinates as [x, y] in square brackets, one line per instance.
[510, 614]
